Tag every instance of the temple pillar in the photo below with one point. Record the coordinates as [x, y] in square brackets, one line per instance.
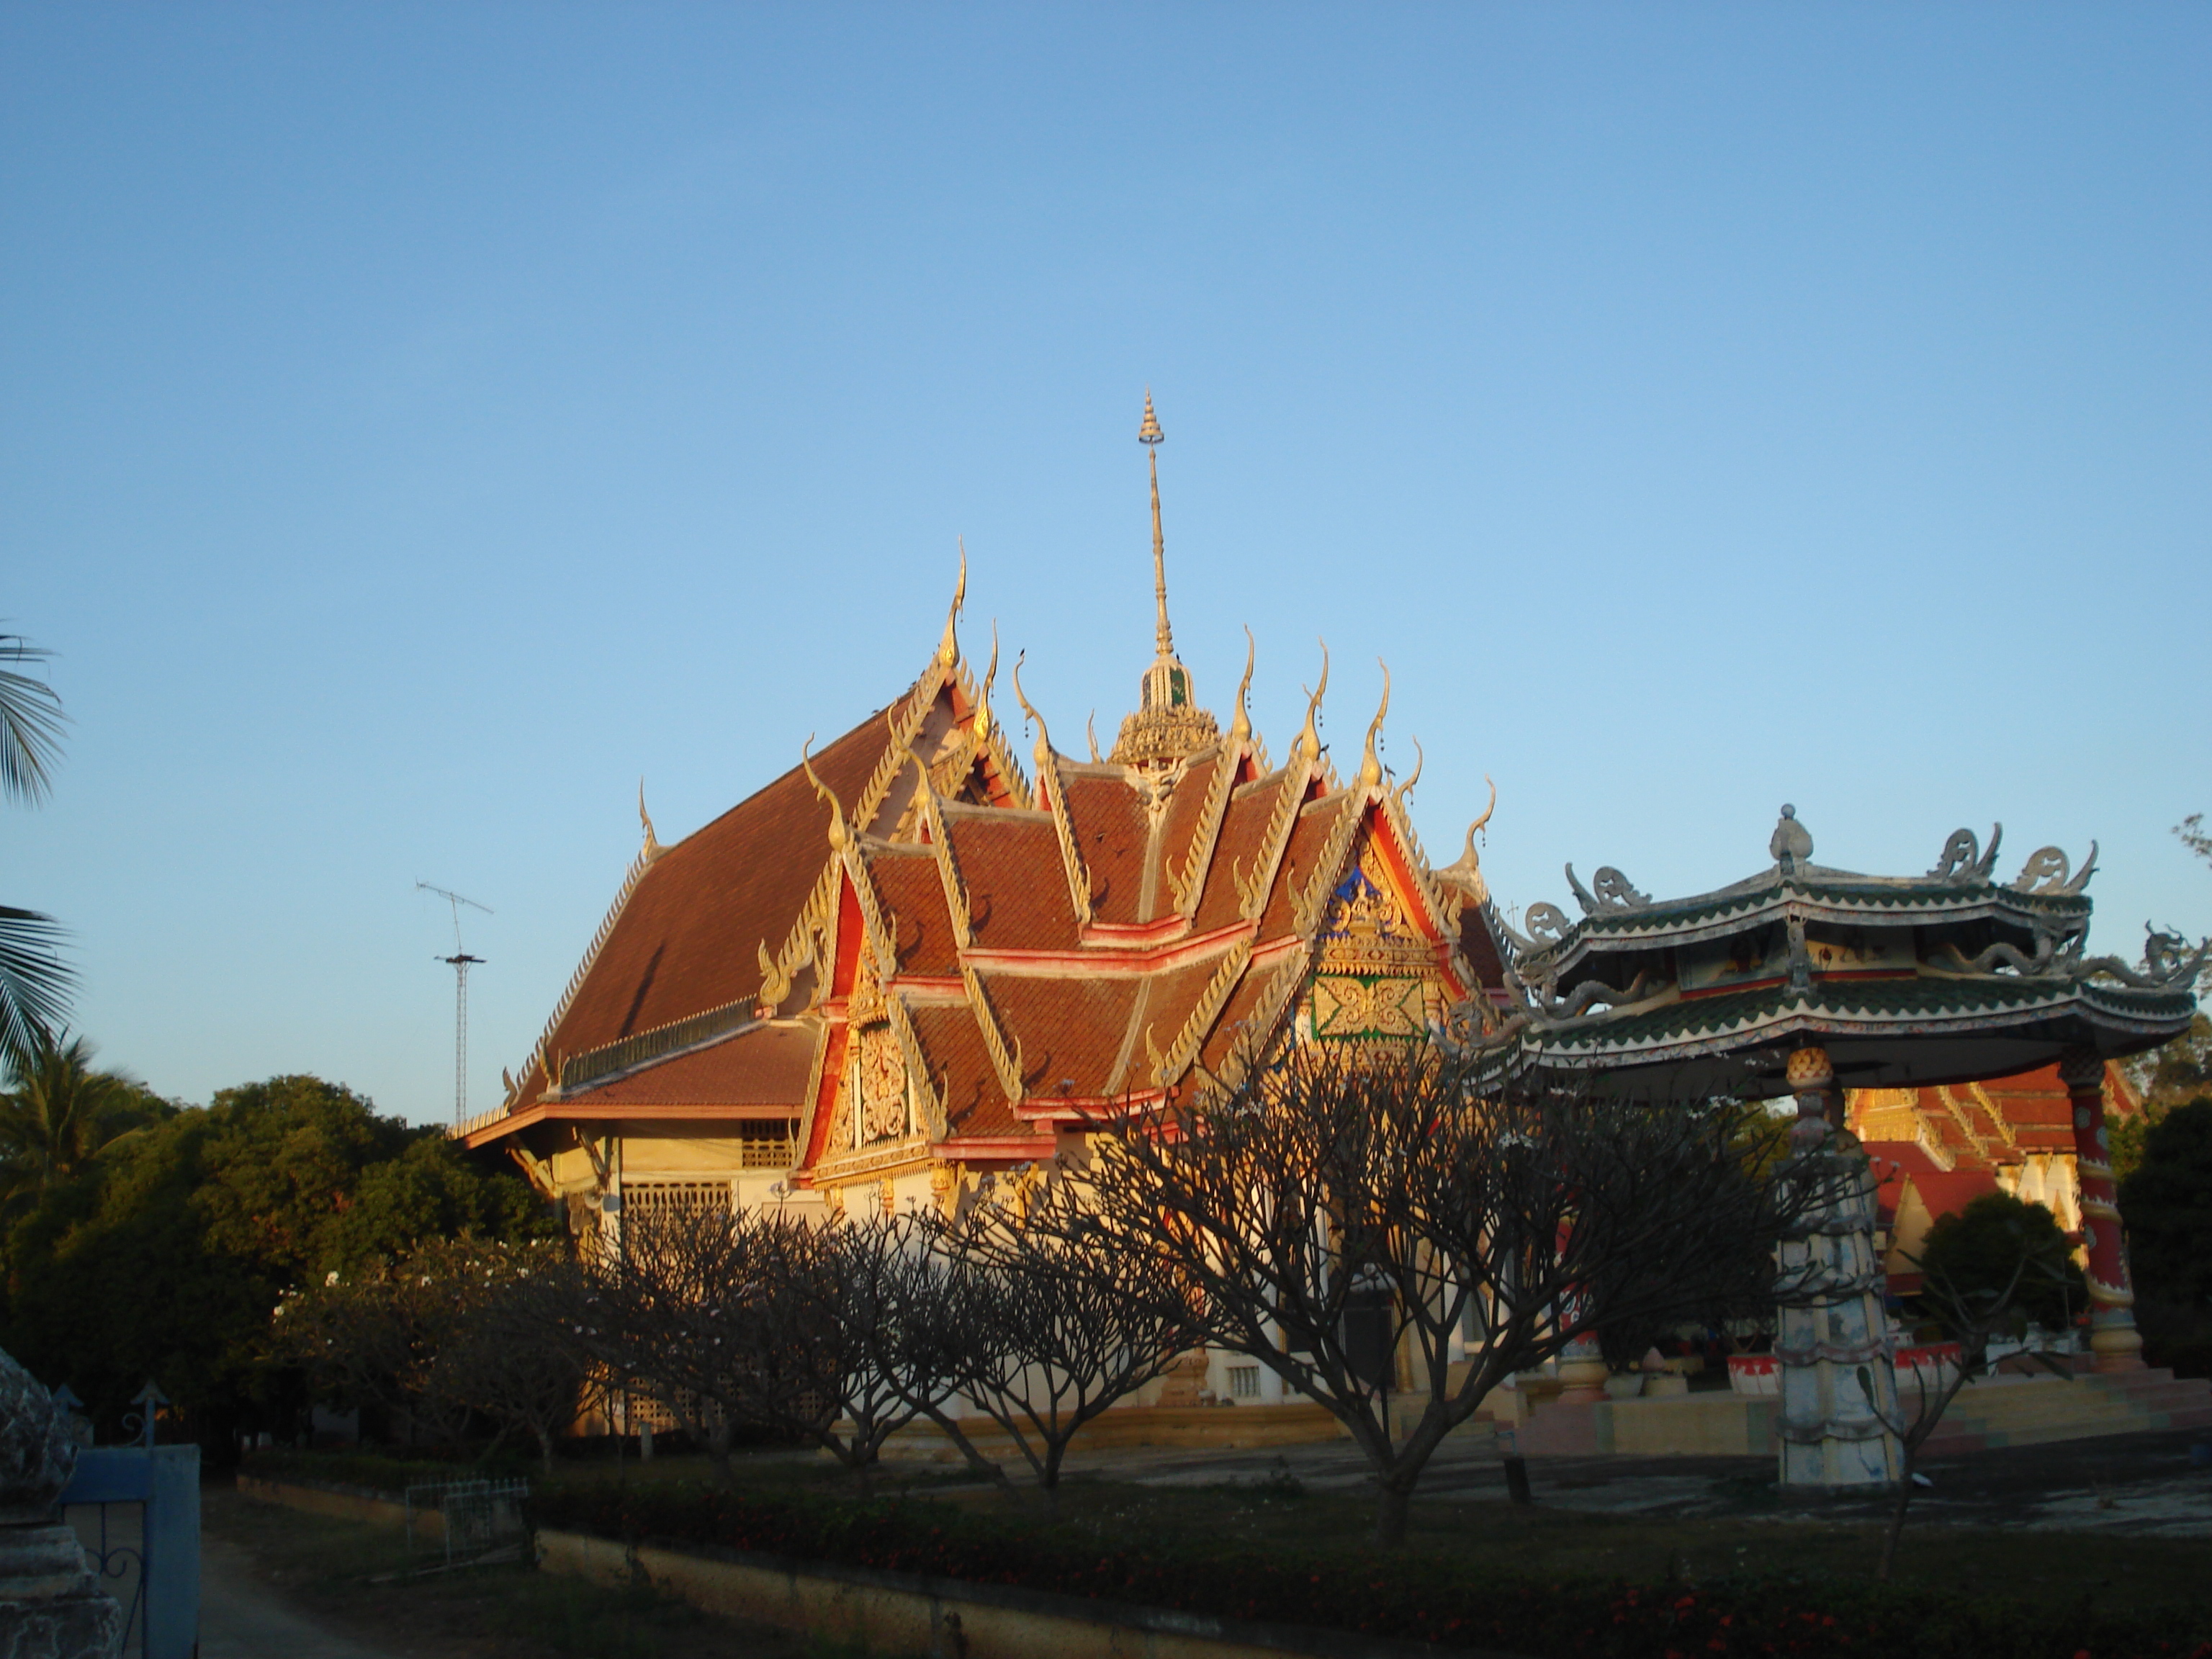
[2113, 1335]
[1839, 1412]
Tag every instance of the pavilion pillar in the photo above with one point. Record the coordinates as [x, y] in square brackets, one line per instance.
[1838, 1384]
[2113, 1338]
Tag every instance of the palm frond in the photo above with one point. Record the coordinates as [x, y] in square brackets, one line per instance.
[35, 982]
[31, 721]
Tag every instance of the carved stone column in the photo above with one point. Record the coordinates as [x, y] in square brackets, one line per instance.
[2113, 1335]
[1838, 1386]
[51, 1605]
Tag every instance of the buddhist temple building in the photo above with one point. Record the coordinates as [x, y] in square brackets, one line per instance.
[913, 958]
[930, 952]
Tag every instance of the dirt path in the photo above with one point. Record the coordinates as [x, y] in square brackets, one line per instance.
[242, 1617]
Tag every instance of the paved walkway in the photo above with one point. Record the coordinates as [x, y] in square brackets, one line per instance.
[242, 1617]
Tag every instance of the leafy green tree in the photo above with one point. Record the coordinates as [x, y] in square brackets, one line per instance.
[167, 1257]
[2167, 1201]
[35, 982]
[62, 1112]
[1999, 1247]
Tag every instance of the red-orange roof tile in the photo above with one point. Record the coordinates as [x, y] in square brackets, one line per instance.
[912, 891]
[690, 936]
[1017, 886]
[1112, 836]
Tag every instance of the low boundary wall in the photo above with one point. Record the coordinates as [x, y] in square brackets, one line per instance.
[378, 1508]
[896, 1613]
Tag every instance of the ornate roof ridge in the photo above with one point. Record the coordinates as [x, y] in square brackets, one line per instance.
[1052, 790]
[1187, 884]
[648, 856]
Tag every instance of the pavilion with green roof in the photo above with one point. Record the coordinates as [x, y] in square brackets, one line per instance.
[1809, 979]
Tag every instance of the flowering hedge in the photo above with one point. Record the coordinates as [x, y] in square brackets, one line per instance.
[1408, 1598]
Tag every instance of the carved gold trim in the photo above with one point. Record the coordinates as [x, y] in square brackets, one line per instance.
[1052, 786]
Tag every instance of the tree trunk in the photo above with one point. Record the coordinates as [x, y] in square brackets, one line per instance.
[1391, 1511]
[977, 1463]
[718, 1449]
[1896, 1527]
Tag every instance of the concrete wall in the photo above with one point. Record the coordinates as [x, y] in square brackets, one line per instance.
[1686, 1426]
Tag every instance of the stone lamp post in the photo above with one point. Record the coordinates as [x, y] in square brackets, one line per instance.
[51, 1605]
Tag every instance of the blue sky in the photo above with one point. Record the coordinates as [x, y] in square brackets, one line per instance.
[417, 424]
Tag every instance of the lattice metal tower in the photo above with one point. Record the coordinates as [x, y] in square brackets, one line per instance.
[460, 962]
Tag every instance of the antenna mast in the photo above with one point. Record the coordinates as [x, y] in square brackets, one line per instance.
[459, 962]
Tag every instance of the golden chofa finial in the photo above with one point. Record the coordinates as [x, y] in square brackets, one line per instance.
[1406, 788]
[1308, 744]
[948, 649]
[983, 700]
[1469, 863]
[653, 848]
[1043, 754]
[1370, 764]
[839, 836]
[1240, 729]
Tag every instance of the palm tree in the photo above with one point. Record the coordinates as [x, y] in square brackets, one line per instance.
[61, 1113]
[34, 981]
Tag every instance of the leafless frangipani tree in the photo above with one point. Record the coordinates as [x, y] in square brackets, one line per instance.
[1045, 1319]
[1343, 1217]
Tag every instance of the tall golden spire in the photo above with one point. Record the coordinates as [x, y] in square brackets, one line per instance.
[1168, 724]
[1151, 437]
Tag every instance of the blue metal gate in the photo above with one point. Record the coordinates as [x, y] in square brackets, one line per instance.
[153, 1566]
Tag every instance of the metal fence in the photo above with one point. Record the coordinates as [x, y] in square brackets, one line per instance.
[460, 1523]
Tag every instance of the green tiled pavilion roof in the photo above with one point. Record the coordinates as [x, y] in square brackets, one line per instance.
[1894, 1006]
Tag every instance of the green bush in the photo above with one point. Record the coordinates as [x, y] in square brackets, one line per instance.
[2168, 1202]
[1996, 1245]
[1396, 1595]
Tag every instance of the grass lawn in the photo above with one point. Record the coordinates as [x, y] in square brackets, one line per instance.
[330, 1570]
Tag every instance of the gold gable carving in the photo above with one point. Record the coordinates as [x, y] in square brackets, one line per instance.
[1374, 971]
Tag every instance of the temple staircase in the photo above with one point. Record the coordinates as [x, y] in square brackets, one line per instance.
[2030, 1411]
